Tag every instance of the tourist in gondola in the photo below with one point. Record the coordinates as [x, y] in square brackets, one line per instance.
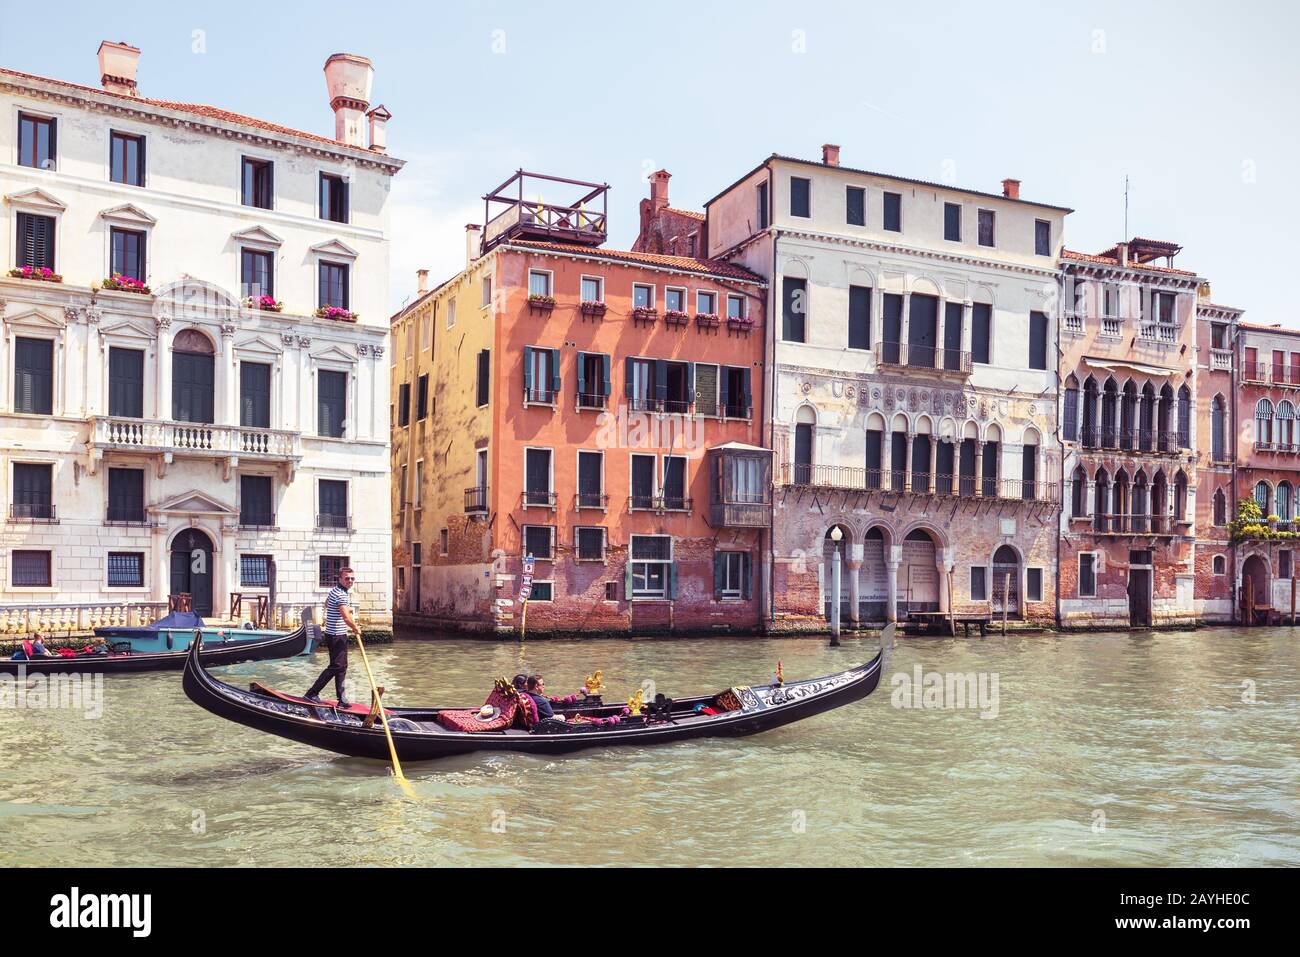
[536, 689]
[339, 621]
[32, 648]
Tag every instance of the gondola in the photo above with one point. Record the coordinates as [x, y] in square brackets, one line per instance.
[421, 734]
[231, 651]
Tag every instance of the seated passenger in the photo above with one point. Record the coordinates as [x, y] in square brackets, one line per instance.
[536, 689]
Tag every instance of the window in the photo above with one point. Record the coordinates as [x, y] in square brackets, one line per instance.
[417, 557]
[443, 544]
[538, 489]
[35, 242]
[1220, 508]
[735, 307]
[855, 206]
[257, 183]
[332, 403]
[762, 205]
[1262, 496]
[1087, 575]
[33, 497]
[1284, 563]
[643, 481]
[333, 504]
[542, 591]
[487, 291]
[256, 501]
[255, 395]
[34, 376]
[256, 273]
[126, 382]
[127, 247]
[36, 141]
[404, 405]
[732, 574]
[541, 375]
[706, 303]
[859, 317]
[1038, 340]
[593, 380]
[1042, 237]
[674, 299]
[192, 378]
[674, 483]
[978, 584]
[333, 198]
[794, 309]
[419, 484]
[799, 198]
[593, 289]
[402, 487]
[539, 541]
[255, 571]
[589, 543]
[706, 389]
[611, 591]
[422, 398]
[892, 216]
[126, 495]
[981, 332]
[1070, 411]
[1033, 584]
[482, 377]
[639, 383]
[451, 313]
[952, 222]
[643, 296]
[334, 285]
[736, 398]
[126, 159]
[31, 569]
[1219, 565]
[986, 220]
[126, 569]
[650, 572]
[1218, 438]
[330, 566]
[539, 282]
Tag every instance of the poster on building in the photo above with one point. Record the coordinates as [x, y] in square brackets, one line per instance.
[918, 578]
[526, 579]
[873, 581]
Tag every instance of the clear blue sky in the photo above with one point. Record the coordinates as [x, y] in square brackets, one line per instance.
[1195, 101]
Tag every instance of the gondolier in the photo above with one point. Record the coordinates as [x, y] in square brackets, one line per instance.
[340, 619]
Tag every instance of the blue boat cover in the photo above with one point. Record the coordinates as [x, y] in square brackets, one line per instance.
[178, 619]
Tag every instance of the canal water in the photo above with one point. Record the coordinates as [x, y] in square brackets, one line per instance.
[1100, 749]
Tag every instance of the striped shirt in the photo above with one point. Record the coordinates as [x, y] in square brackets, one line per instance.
[338, 597]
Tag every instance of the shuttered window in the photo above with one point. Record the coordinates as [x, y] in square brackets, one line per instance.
[952, 222]
[331, 396]
[762, 206]
[333, 504]
[126, 382]
[33, 491]
[126, 495]
[34, 376]
[255, 395]
[482, 381]
[1038, 340]
[799, 196]
[422, 398]
[855, 206]
[35, 245]
[192, 387]
[893, 212]
[1042, 237]
[981, 321]
[794, 309]
[1070, 413]
[256, 500]
[404, 404]
[859, 317]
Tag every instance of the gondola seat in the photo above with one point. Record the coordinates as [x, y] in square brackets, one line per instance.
[512, 710]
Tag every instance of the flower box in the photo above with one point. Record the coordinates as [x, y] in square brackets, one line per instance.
[544, 303]
[645, 314]
[591, 308]
[740, 325]
[674, 317]
[264, 303]
[39, 273]
[119, 283]
[334, 312]
[707, 320]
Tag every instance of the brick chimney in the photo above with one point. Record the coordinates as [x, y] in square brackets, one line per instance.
[379, 118]
[830, 154]
[348, 78]
[117, 67]
[422, 281]
[659, 189]
[1011, 188]
[1121, 253]
[473, 241]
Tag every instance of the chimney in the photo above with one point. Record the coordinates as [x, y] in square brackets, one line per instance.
[1121, 253]
[659, 189]
[473, 241]
[422, 281]
[348, 78]
[830, 154]
[1011, 188]
[379, 118]
[117, 65]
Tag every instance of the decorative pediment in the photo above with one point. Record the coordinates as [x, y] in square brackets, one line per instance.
[36, 319]
[129, 214]
[193, 503]
[335, 249]
[257, 236]
[37, 199]
[259, 344]
[127, 330]
[333, 354]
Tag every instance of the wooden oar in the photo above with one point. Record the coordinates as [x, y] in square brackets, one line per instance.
[392, 751]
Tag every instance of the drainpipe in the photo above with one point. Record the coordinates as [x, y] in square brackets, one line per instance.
[770, 402]
[1232, 502]
[1060, 444]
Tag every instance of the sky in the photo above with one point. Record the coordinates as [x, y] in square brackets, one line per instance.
[1195, 102]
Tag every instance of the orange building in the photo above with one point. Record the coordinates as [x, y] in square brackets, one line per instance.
[590, 407]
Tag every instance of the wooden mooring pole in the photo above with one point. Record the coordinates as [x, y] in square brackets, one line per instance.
[1006, 600]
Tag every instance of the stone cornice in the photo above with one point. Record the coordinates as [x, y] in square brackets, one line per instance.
[935, 255]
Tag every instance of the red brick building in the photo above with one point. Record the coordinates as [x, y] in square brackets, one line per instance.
[1216, 414]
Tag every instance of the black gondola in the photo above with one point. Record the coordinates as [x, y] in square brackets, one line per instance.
[229, 652]
[418, 735]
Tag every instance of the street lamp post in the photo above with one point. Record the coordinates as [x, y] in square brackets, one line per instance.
[836, 535]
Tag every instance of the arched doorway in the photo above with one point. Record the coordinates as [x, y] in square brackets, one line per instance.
[1006, 581]
[918, 575]
[873, 584]
[829, 547]
[1255, 584]
[191, 569]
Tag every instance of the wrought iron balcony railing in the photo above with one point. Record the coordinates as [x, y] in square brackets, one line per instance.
[476, 498]
[41, 513]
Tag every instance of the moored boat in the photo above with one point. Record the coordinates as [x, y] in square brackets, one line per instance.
[426, 733]
[176, 630]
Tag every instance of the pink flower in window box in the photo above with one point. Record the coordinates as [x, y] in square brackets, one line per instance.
[334, 312]
[264, 303]
[119, 283]
[39, 273]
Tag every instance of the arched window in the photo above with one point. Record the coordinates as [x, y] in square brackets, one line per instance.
[1165, 419]
[1180, 497]
[1285, 424]
[1110, 415]
[1078, 493]
[1184, 418]
[1119, 502]
[1262, 497]
[1147, 418]
[1284, 501]
[1101, 502]
[193, 377]
[1220, 565]
[1138, 504]
[1128, 416]
[1160, 514]
[1070, 412]
[803, 446]
[1090, 412]
[1263, 423]
[1220, 508]
[1218, 440]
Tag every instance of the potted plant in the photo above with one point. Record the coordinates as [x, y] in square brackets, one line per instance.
[39, 273]
[538, 301]
[707, 320]
[334, 312]
[589, 307]
[119, 283]
[644, 314]
[264, 303]
[740, 323]
[676, 317]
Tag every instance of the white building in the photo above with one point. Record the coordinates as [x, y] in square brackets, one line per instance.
[177, 441]
[911, 392]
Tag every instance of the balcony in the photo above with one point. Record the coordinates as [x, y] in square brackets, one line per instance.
[334, 521]
[537, 498]
[1074, 323]
[596, 500]
[945, 362]
[1112, 327]
[854, 479]
[538, 395]
[658, 503]
[1124, 524]
[476, 499]
[126, 515]
[587, 400]
[1221, 360]
[1260, 373]
[740, 478]
[1159, 332]
[34, 513]
[169, 439]
[517, 210]
[1138, 441]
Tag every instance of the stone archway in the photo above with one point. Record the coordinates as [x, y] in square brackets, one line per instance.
[1255, 581]
[1006, 581]
[918, 573]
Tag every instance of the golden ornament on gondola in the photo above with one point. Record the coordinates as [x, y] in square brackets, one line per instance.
[636, 703]
[592, 684]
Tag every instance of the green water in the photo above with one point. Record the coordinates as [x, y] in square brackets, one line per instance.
[1108, 749]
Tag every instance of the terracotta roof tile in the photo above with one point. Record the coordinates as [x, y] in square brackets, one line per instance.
[689, 213]
[1114, 261]
[712, 267]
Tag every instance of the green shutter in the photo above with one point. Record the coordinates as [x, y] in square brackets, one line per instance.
[628, 365]
[604, 373]
[555, 371]
[749, 399]
[528, 370]
[582, 373]
[627, 577]
[746, 575]
[690, 382]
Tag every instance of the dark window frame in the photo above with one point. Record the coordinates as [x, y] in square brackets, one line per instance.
[333, 432]
[132, 174]
[334, 201]
[42, 403]
[855, 205]
[123, 260]
[328, 567]
[950, 226]
[137, 580]
[257, 182]
[891, 215]
[1042, 243]
[334, 284]
[250, 257]
[16, 561]
[800, 197]
[42, 253]
[31, 144]
[250, 514]
[986, 220]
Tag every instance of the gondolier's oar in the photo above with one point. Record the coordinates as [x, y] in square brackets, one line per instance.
[392, 751]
